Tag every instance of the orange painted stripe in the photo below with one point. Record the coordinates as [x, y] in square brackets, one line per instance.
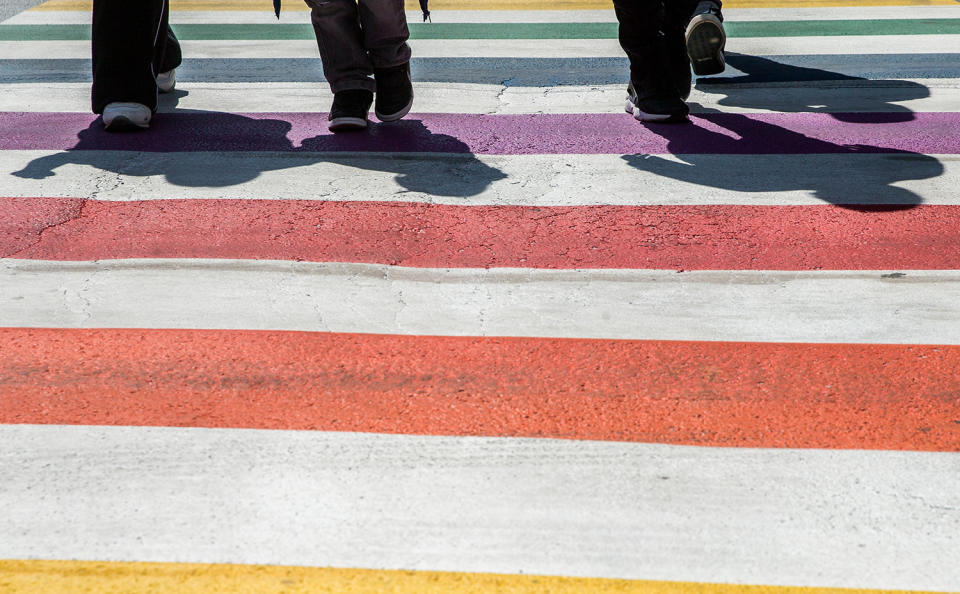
[701, 393]
[699, 237]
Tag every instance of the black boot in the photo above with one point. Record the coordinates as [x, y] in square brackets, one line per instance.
[350, 109]
[394, 93]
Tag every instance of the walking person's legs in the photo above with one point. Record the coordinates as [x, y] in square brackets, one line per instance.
[363, 47]
[652, 94]
[130, 43]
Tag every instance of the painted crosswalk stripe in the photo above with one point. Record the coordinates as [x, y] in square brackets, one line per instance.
[606, 15]
[908, 307]
[895, 98]
[543, 31]
[69, 577]
[732, 134]
[485, 180]
[553, 48]
[494, 5]
[537, 72]
[581, 509]
[697, 393]
[439, 236]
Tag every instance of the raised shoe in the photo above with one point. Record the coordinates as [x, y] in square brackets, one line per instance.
[706, 40]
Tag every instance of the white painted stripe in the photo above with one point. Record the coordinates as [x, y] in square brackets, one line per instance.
[846, 13]
[71, 17]
[920, 95]
[825, 306]
[540, 180]
[873, 519]
[184, 17]
[512, 48]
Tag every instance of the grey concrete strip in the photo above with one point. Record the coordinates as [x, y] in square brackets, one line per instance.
[902, 97]
[538, 180]
[535, 72]
[869, 519]
[245, 49]
[916, 307]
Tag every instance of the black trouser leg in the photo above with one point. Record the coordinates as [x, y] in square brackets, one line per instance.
[676, 17]
[677, 13]
[170, 56]
[131, 44]
[638, 33]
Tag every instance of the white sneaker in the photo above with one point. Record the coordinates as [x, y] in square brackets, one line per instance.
[126, 116]
[166, 81]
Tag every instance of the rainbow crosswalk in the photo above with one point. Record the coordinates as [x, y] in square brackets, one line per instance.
[517, 342]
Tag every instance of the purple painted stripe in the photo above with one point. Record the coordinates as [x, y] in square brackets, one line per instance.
[765, 133]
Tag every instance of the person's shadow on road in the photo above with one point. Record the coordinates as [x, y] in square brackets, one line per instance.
[193, 148]
[757, 82]
[721, 149]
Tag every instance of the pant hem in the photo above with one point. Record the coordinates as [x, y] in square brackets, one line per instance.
[367, 84]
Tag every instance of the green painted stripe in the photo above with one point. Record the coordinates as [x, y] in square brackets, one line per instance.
[510, 30]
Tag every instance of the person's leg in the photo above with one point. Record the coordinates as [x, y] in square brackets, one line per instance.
[676, 17]
[652, 94]
[167, 58]
[125, 37]
[346, 64]
[639, 27]
[385, 33]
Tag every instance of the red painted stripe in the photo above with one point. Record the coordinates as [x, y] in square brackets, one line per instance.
[721, 237]
[699, 393]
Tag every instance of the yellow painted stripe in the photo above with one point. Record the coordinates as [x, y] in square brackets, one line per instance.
[500, 4]
[77, 577]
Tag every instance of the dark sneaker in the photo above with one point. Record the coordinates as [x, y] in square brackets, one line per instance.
[394, 92]
[662, 107]
[349, 111]
[706, 40]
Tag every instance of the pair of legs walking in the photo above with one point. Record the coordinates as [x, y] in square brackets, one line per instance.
[134, 57]
[363, 47]
[661, 38]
